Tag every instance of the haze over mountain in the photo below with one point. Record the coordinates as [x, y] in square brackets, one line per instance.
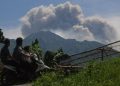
[52, 42]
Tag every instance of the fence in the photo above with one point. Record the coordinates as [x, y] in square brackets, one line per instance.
[107, 51]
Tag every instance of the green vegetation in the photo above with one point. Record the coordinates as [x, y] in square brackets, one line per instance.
[1, 36]
[35, 48]
[53, 58]
[103, 73]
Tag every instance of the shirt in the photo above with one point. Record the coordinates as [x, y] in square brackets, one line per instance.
[5, 54]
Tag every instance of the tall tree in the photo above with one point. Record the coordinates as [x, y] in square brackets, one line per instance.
[1, 36]
[35, 48]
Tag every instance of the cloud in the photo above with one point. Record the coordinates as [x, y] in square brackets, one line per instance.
[68, 21]
[101, 29]
[12, 32]
[79, 33]
[115, 22]
[63, 16]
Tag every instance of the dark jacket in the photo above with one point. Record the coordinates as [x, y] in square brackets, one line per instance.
[5, 54]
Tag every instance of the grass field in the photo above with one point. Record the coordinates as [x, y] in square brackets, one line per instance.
[104, 73]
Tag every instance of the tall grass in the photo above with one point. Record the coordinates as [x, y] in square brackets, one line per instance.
[105, 73]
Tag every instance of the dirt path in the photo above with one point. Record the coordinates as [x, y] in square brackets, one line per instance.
[29, 84]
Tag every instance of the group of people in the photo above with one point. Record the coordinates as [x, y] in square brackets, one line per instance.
[21, 58]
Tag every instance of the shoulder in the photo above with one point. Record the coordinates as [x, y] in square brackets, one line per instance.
[4, 48]
[18, 48]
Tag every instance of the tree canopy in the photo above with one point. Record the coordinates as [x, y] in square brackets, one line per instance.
[1, 36]
[35, 48]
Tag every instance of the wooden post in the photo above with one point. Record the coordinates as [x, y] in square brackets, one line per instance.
[102, 54]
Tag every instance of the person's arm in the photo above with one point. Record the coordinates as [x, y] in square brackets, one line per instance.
[23, 53]
[9, 55]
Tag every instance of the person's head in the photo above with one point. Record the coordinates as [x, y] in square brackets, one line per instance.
[7, 42]
[27, 48]
[19, 41]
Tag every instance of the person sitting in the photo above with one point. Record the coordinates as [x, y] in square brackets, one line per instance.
[28, 53]
[5, 54]
[18, 51]
[33, 60]
[6, 57]
[30, 59]
[19, 55]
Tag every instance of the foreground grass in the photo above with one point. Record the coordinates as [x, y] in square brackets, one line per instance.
[106, 73]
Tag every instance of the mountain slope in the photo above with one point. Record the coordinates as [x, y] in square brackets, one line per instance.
[51, 41]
